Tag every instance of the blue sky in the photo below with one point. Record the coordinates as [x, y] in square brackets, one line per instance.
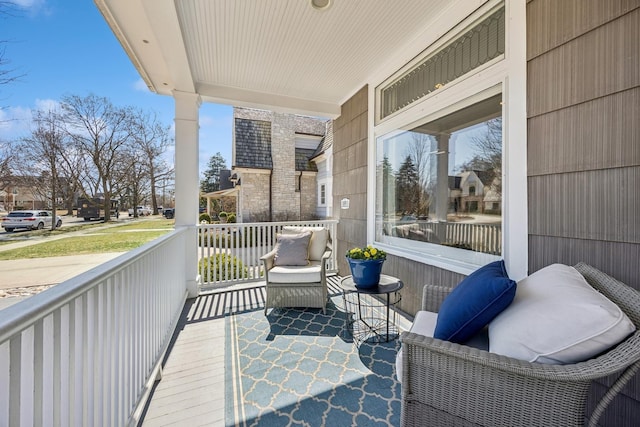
[64, 47]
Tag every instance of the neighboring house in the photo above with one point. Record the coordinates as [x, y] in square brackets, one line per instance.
[323, 158]
[24, 192]
[275, 166]
[33, 192]
[227, 194]
[474, 191]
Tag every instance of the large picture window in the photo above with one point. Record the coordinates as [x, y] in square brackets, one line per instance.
[439, 182]
[448, 152]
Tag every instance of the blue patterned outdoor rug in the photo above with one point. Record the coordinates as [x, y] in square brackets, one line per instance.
[296, 367]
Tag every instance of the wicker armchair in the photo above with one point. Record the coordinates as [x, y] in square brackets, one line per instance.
[299, 286]
[447, 384]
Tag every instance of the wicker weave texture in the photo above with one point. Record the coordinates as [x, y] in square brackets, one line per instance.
[466, 386]
[300, 295]
[310, 294]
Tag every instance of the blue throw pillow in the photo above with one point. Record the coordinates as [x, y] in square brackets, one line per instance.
[471, 305]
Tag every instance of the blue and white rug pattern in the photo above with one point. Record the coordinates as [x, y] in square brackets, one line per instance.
[296, 367]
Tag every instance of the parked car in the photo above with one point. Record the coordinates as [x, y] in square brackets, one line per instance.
[142, 211]
[32, 219]
[169, 213]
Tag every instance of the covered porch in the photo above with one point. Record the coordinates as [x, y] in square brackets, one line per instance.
[89, 351]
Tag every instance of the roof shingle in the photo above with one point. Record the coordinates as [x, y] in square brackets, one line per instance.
[253, 144]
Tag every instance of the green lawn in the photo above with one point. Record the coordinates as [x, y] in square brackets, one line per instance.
[120, 238]
[143, 224]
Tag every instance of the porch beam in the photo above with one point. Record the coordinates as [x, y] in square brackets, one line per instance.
[268, 101]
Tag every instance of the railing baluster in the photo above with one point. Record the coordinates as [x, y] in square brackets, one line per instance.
[15, 361]
[5, 383]
[72, 328]
[247, 243]
[38, 372]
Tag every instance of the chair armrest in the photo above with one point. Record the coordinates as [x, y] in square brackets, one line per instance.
[432, 297]
[268, 259]
[591, 369]
[323, 262]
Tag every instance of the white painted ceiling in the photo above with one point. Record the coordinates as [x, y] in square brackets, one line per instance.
[277, 54]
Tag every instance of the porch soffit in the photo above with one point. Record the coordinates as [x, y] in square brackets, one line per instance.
[281, 55]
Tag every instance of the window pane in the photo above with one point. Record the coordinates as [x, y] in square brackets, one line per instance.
[440, 182]
[479, 45]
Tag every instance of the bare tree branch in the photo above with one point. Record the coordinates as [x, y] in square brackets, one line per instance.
[42, 151]
[100, 131]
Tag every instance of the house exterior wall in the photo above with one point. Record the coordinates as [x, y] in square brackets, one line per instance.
[308, 196]
[584, 145]
[350, 175]
[286, 202]
[254, 197]
[584, 135]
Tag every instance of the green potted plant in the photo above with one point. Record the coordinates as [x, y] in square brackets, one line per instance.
[366, 265]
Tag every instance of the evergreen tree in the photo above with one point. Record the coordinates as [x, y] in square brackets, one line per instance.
[211, 179]
[408, 187]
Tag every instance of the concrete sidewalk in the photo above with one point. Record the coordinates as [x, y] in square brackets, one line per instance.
[19, 279]
[48, 271]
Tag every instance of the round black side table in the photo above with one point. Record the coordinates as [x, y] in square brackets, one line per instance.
[368, 314]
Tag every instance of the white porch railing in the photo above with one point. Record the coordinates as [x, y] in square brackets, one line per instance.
[230, 253]
[86, 351]
[486, 238]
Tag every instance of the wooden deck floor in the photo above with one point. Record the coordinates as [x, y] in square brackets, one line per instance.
[191, 392]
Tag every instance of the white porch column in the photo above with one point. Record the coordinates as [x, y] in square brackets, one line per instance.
[442, 185]
[187, 179]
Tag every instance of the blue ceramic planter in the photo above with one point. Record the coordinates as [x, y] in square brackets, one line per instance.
[365, 273]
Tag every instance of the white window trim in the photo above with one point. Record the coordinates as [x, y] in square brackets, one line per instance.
[510, 75]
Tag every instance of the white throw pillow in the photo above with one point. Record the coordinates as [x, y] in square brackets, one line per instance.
[318, 243]
[556, 317]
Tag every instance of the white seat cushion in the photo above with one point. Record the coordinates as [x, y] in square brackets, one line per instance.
[556, 317]
[425, 324]
[296, 274]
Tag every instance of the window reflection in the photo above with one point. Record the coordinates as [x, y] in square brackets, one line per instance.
[441, 182]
